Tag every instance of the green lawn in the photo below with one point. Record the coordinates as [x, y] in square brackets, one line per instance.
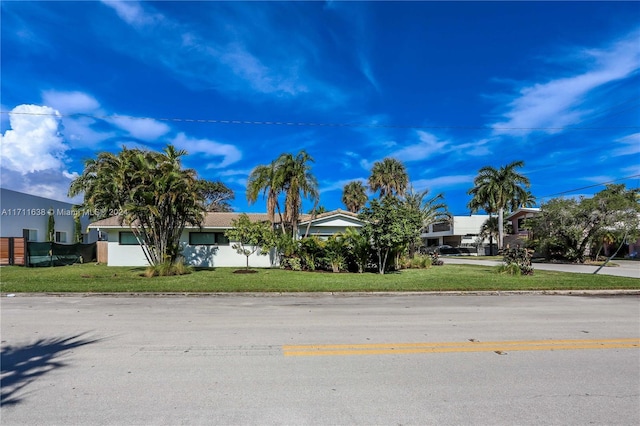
[93, 278]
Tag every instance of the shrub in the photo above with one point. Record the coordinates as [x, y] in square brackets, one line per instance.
[292, 263]
[167, 269]
[435, 259]
[517, 258]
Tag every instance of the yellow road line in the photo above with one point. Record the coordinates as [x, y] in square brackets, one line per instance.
[445, 347]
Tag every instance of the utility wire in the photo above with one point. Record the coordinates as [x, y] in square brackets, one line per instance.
[590, 186]
[311, 124]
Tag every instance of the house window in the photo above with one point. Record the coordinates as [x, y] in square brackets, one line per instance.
[30, 234]
[61, 237]
[440, 227]
[207, 238]
[127, 238]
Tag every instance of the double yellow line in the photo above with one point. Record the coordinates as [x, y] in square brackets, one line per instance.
[470, 346]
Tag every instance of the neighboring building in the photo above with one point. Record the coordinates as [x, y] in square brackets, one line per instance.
[207, 246]
[24, 215]
[329, 223]
[462, 231]
[519, 234]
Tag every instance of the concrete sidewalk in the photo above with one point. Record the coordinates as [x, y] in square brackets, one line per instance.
[626, 268]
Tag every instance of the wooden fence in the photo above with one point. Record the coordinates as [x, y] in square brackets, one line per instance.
[12, 251]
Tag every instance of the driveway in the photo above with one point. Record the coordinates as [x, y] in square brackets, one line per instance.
[625, 268]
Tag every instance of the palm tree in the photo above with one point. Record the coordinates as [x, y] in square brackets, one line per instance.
[354, 196]
[498, 189]
[529, 200]
[431, 210]
[294, 174]
[265, 179]
[388, 176]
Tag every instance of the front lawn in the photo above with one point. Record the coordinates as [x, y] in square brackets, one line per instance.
[91, 278]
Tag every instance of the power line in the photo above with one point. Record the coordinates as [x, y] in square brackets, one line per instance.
[310, 124]
[590, 186]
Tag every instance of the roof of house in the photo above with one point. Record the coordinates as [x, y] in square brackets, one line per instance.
[307, 217]
[224, 219]
[211, 220]
[532, 210]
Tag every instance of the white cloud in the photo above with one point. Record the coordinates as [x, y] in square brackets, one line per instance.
[132, 13]
[70, 102]
[559, 102]
[429, 144]
[628, 145]
[208, 148]
[140, 128]
[33, 153]
[34, 142]
[443, 182]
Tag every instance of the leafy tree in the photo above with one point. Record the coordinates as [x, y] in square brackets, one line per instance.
[390, 226]
[354, 196]
[388, 176]
[431, 210]
[154, 195]
[216, 196]
[251, 237]
[567, 228]
[499, 189]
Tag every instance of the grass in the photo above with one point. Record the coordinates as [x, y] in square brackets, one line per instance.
[91, 278]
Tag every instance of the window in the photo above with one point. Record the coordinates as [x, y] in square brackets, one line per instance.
[207, 238]
[439, 227]
[30, 234]
[61, 237]
[127, 238]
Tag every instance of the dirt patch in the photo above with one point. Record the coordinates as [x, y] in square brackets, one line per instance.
[245, 271]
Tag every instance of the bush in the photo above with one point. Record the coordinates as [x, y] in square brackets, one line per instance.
[517, 258]
[435, 259]
[292, 263]
[420, 262]
[168, 269]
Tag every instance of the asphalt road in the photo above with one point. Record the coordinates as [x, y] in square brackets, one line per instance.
[394, 359]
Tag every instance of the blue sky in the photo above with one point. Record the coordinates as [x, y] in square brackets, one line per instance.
[445, 87]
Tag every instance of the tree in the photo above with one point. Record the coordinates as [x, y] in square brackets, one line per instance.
[489, 228]
[51, 227]
[354, 196]
[568, 228]
[390, 226]
[357, 247]
[251, 237]
[265, 179]
[499, 189]
[216, 196]
[431, 210]
[149, 191]
[317, 210]
[294, 175]
[388, 176]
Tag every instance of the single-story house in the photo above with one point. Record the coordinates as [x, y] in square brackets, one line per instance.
[207, 246]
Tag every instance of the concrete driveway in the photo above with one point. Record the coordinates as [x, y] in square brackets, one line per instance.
[625, 268]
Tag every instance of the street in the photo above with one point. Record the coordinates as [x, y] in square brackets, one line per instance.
[320, 359]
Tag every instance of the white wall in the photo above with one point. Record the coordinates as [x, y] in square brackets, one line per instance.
[20, 211]
[197, 255]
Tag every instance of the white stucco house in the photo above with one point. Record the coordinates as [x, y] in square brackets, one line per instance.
[25, 215]
[460, 232]
[207, 246]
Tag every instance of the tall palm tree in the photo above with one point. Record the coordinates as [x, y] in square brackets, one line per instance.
[498, 189]
[266, 180]
[388, 176]
[354, 196]
[294, 174]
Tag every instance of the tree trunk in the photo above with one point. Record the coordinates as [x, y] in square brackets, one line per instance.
[500, 228]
